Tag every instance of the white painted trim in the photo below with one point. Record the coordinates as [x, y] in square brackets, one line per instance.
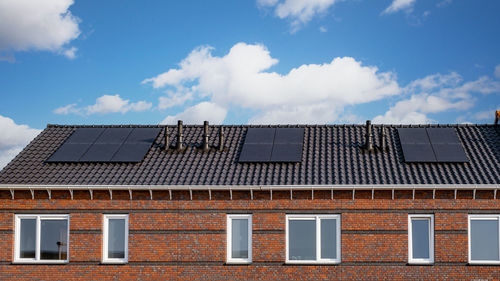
[38, 218]
[482, 217]
[105, 228]
[229, 258]
[430, 260]
[317, 219]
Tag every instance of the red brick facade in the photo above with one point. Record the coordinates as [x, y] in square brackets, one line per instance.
[186, 239]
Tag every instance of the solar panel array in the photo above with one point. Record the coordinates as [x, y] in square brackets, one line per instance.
[272, 145]
[431, 145]
[126, 145]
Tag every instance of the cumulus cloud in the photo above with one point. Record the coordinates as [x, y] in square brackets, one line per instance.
[204, 111]
[174, 99]
[310, 93]
[13, 139]
[434, 94]
[45, 25]
[497, 71]
[400, 5]
[103, 105]
[299, 12]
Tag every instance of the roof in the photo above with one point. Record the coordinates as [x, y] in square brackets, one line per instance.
[332, 155]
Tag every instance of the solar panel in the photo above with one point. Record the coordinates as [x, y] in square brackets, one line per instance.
[442, 135]
[260, 135]
[289, 135]
[413, 135]
[114, 135]
[69, 152]
[131, 152]
[449, 152]
[272, 145]
[85, 135]
[106, 145]
[431, 145]
[256, 152]
[417, 152]
[143, 135]
[100, 152]
[289, 152]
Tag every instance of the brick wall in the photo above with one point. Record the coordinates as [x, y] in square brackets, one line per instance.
[186, 239]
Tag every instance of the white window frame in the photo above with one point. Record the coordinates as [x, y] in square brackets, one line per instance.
[229, 258]
[38, 218]
[105, 232]
[412, 260]
[481, 217]
[317, 218]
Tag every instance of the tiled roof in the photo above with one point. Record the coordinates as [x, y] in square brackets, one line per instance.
[331, 156]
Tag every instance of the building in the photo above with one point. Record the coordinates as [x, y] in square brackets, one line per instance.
[348, 202]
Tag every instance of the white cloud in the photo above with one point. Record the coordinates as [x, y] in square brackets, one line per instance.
[497, 71]
[174, 99]
[70, 53]
[299, 12]
[310, 93]
[435, 94]
[323, 29]
[13, 139]
[105, 104]
[488, 115]
[45, 25]
[204, 111]
[399, 5]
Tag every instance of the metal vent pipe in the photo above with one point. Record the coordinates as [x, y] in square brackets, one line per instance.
[180, 141]
[368, 136]
[205, 136]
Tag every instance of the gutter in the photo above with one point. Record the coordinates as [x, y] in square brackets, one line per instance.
[252, 188]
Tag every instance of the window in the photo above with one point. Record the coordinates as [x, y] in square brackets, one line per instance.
[41, 238]
[239, 238]
[313, 238]
[484, 239]
[421, 239]
[115, 242]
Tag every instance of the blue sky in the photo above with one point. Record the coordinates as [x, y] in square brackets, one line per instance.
[255, 61]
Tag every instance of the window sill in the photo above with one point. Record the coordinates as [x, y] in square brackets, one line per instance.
[40, 262]
[238, 262]
[114, 262]
[484, 263]
[312, 262]
[420, 263]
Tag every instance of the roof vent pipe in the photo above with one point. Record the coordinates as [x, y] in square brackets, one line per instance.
[205, 136]
[221, 138]
[180, 144]
[382, 137]
[368, 136]
[497, 117]
[167, 141]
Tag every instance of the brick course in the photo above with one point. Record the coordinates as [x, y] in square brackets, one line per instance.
[184, 239]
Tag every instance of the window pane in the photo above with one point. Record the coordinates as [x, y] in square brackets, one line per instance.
[116, 238]
[420, 238]
[328, 239]
[302, 239]
[54, 240]
[484, 239]
[28, 239]
[239, 238]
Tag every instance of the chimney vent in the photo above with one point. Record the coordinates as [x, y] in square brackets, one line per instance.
[382, 138]
[497, 117]
[167, 141]
[221, 138]
[180, 143]
[205, 136]
[368, 136]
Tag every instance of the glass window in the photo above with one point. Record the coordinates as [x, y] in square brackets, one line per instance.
[41, 238]
[239, 238]
[420, 239]
[313, 239]
[115, 232]
[484, 239]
